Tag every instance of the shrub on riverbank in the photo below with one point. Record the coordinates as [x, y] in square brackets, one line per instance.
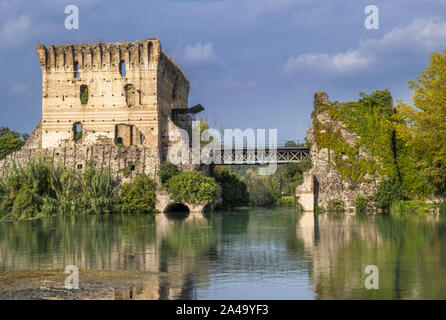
[167, 171]
[138, 196]
[362, 203]
[260, 196]
[413, 207]
[390, 190]
[192, 187]
[234, 191]
[287, 201]
[42, 188]
[336, 206]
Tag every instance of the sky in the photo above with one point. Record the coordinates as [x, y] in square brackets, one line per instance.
[251, 63]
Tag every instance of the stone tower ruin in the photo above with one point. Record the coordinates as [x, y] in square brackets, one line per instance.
[111, 103]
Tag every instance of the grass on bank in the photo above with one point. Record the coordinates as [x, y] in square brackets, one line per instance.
[44, 188]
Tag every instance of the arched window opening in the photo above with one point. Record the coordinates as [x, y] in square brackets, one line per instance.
[123, 135]
[84, 94]
[77, 131]
[122, 70]
[76, 70]
[131, 95]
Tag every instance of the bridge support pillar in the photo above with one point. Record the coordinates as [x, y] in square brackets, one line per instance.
[305, 192]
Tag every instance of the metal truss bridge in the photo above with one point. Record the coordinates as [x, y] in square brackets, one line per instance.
[280, 155]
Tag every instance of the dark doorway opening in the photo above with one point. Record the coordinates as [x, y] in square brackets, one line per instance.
[177, 210]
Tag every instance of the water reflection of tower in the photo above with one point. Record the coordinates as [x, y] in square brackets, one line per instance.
[177, 257]
[335, 245]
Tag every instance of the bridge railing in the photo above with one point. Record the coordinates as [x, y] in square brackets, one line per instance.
[280, 144]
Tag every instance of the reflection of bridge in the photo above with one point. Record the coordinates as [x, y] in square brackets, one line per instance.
[255, 156]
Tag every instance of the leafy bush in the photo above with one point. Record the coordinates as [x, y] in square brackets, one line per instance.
[192, 187]
[442, 208]
[138, 196]
[276, 195]
[361, 203]
[336, 206]
[412, 207]
[389, 190]
[287, 201]
[126, 172]
[167, 171]
[234, 191]
[260, 196]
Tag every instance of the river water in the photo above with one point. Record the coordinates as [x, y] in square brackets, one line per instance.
[244, 254]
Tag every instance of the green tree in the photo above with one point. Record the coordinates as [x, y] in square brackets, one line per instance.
[234, 191]
[10, 141]
[389, 191]
[290, 143]
[138, 196]
[423, 125]
[260, 195]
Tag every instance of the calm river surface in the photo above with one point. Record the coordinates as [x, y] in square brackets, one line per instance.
[244, 254]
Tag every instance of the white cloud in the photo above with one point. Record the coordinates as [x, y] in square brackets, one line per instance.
[17, 88]
[348, 61]
[398, 46]
[199, 53]
[14, 31]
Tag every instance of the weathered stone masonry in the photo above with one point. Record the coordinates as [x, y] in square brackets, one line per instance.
[323, 184]
[108, 103]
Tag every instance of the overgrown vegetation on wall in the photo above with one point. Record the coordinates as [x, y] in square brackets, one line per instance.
[371, 118]
[404, 144]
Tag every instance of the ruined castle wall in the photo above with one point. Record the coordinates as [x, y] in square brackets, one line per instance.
[125, 119]
[104, 153]
[323, 184]
[99, 69]
[173, 92]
